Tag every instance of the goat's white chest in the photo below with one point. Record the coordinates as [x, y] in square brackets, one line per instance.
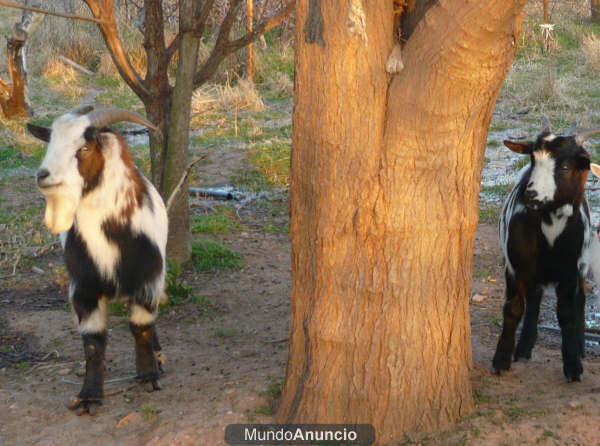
[102, 251]
[558, 223]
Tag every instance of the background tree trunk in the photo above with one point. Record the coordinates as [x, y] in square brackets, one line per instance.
[595, 10]
[13, 99]
[385, 185]
[176, 159]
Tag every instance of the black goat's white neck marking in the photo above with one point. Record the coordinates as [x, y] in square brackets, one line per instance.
[550, 137]
[542, 177]
[558, 223]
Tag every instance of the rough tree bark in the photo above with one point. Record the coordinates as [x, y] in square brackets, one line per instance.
[384, 192]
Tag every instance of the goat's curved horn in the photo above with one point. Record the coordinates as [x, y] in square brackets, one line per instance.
[82, 109]
[571, 129]
[581, 137]
[105, 116]
[546, 124]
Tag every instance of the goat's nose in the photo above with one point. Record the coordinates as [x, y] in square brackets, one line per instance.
[530, 194]
[42, 174]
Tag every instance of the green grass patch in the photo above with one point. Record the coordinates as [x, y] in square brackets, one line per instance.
[496, 320]
[149, 413]
[179, 291]
[480, 272]
[223, 220]
[481, 398]
[271, 168]
[489, 213]
[265, 409]
[116, 308]
[227, 332]
[514, 413]
[277, 229]
[499, 190]
[273, 391]
[209, 255]
[521, 162]
[13, 157]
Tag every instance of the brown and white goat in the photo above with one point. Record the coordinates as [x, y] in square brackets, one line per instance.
[113, 226]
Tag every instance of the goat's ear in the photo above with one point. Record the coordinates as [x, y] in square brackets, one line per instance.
[39, 132]
[595, 169]
[524, 147]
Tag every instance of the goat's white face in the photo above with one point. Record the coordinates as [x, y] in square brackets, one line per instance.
[542, 183]
[59, 178]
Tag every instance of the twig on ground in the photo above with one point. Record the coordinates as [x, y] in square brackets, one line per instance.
[181, 181]
[76, 65]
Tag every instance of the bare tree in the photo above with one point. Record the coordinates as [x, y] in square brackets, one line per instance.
[384, 193]
[13, 100]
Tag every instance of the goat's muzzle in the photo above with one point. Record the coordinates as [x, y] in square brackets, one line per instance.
[43, 180]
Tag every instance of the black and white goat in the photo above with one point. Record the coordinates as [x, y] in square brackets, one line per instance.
[546, 237]
[113, 226]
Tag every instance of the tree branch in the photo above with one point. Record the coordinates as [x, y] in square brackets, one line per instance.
[47, 12]
[264, 27]
[224, 46]
[103, 11]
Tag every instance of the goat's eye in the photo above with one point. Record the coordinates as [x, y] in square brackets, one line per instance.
[565, 167]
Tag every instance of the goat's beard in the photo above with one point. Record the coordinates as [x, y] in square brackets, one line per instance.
[60, 211]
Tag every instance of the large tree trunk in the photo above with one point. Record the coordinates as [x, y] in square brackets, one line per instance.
[385, 183]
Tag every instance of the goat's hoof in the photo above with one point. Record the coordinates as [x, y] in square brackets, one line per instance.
[151, 386]
[500, 363]
[524, 357]
[82, 407]
[577, 378]
[160, 360]
[574, 372]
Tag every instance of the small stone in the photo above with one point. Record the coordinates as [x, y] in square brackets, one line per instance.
[64, 372]
[37, 270]
[478, 298]
[13, 406]
[575, 404]
[133, 417]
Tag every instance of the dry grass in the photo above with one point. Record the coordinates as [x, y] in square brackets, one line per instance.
[241, 96]
[60, 72]
[280, 84]
[590, 46]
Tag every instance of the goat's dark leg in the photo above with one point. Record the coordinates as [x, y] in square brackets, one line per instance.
[160, 357]
[571, 302]
[529, 331]
[91, 314]
[513, 311]
[581, 318]
[141, 323]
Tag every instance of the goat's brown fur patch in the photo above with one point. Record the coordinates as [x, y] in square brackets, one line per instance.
[90, 162]
[135, 193]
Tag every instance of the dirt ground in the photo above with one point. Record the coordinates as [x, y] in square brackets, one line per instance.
[225, 361]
